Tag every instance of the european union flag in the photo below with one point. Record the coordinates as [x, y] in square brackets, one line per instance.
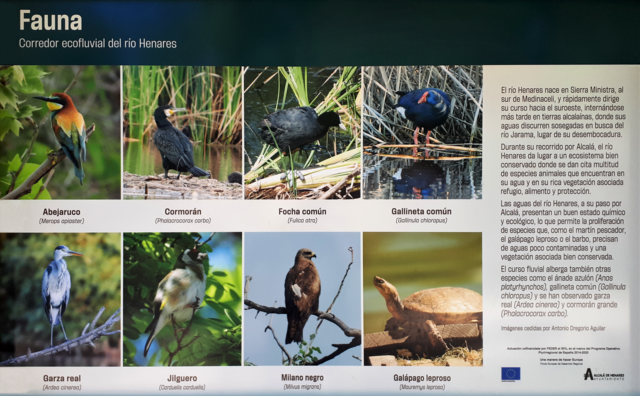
[511, 373]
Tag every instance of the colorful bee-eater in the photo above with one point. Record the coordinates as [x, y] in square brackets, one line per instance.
[68, 126]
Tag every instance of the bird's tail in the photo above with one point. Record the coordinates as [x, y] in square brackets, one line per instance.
[294, 331]
[198, 172]
[151, 329]
[79, 172]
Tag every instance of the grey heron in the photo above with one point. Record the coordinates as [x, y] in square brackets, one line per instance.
[179, 294]
[56, 284]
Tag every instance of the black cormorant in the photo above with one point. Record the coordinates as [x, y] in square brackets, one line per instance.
[295, 127]
[175, 147]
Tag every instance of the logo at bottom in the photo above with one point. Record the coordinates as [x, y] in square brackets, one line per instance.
[511, 374]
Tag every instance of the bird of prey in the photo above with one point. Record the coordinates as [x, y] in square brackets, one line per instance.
[301, 294]
[179, 294]
[174, 145]
[56, 285]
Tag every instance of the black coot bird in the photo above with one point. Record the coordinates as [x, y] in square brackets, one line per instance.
[427, 108]
[293, 128]
[175, 147]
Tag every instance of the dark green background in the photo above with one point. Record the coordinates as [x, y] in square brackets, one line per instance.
[281, 32]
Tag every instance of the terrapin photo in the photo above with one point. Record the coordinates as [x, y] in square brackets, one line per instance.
[422, 128]
[182, 304]
[65, 132]
[422, 299]
[302, 133]
[302, 299]
[182, 132]
[60, 302]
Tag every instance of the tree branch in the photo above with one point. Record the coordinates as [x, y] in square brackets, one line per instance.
[86, 338]
[348, 331]
[276, 338]
[52, 160]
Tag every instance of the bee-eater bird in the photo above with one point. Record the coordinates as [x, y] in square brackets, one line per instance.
[56, 285]
[68, 126]
[179, 294]
[175, 147]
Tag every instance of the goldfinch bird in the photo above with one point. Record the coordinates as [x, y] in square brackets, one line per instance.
[179, 294]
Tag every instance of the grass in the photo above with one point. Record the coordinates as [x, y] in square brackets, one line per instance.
[383, 124]
[343, 98]
[212, 95]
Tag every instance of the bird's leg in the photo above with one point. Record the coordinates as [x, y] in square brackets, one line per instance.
[52, 336]
[415, 141]
[63, 332]
[195, 305]
[166, 173]
[178, 177]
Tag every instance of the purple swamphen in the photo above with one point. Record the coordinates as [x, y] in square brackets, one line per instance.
[427, 108]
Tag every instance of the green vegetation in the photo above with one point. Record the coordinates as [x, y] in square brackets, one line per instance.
[216, 329]
[95, 283]
[212, 95]
[341, 97]
[96, 95]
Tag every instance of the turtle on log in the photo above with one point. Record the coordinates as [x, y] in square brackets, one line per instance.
[426, 308]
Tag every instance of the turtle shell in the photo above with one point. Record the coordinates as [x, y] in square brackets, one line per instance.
[443, 305]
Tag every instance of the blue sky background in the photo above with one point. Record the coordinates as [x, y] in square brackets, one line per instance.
[268, 258]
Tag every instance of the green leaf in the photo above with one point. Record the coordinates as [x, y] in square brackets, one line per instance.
[131, 290]
[18, 74]
[26, 111]
[7, 97]
[15, 163]
[9, 124]
[32, 83]
[219, 273]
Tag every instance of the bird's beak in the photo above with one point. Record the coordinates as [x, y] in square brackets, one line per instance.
[71, 252]
[50, 103]
[314, 255]
[180, 109]
[423, 99]
[342, 127]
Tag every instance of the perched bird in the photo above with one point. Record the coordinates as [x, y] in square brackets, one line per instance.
[174, 145]
[427, 108]
[56, 285]
[293, 128]
[179, 294]
[68, 126]
[301, 294]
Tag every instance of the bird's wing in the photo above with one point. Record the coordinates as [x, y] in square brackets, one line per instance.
[67, 292]
[174, 145]
[158, 303]
[46, 298]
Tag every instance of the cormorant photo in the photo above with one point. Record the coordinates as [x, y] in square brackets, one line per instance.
[175, 147]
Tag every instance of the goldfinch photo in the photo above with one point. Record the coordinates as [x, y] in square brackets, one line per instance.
[182, 299]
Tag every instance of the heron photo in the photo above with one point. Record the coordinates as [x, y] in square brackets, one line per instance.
[182, 299]
[60, 299]
[182, 132]
[302, 133]
[422, 128]
[302, 299]
[60, 132]
[422, 298]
